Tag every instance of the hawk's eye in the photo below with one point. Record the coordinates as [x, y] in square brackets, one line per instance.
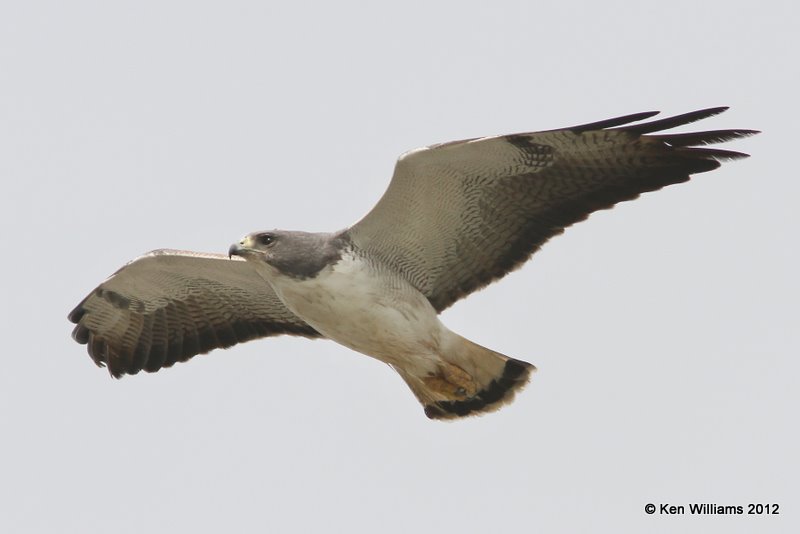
[266, 239]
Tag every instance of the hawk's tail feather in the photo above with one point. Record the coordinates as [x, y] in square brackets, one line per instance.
[470, 380]
[500, 391]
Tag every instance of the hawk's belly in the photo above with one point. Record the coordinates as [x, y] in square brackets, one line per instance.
[374, 313]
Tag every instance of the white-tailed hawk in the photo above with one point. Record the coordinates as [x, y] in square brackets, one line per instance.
[456, 217]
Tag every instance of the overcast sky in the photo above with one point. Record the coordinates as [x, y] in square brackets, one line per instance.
[665, 331]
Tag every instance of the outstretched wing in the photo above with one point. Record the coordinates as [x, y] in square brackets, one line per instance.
[460, 215]
[169, 305]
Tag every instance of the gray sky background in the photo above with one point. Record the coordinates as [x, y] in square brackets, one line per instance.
[665, 330]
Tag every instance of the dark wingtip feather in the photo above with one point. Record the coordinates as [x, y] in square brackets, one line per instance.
[673, 122]
[77, 314]
[704, 138]
[80, 334]
[690, 146]
[716, 153]
[616, 121]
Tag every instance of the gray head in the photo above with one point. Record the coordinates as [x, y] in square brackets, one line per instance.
[296, 254]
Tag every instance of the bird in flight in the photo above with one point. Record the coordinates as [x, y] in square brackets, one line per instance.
[456, 217]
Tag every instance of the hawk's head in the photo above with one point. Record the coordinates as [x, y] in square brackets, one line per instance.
[296, 254]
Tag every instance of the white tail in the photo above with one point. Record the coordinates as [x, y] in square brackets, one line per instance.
[471, 380]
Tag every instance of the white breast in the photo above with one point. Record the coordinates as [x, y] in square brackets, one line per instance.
[372, 312]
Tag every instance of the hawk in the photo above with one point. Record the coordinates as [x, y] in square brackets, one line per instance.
[455, 217]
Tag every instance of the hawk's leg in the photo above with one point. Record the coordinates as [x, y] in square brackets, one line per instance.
[452, 382]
